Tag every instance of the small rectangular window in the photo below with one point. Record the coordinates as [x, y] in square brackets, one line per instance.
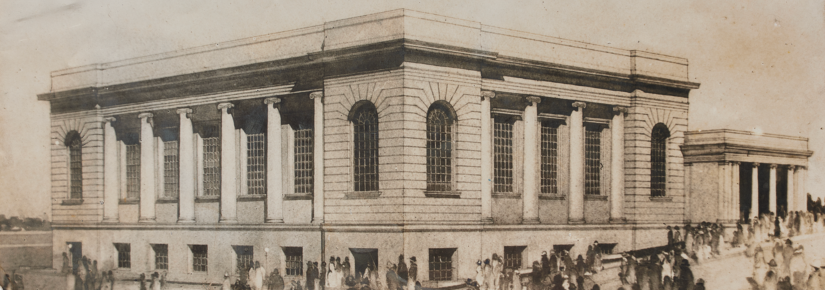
[593, 160]
[243, 260]
[549, 157]
[161, 256]
[170, 169]
[502, 156]
[294, 261]
[513, 257]
[200, 258]
[303, 159]
[606, 249]
[124, 255]
[441, 264]
[256, 163]
[133, 171]
[212, 166]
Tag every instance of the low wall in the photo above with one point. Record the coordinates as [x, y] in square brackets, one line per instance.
[25, 249]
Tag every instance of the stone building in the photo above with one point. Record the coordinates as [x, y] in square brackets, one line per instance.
[393, 133]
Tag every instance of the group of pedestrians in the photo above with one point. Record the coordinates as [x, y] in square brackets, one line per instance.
[13, 282]
[87, 276]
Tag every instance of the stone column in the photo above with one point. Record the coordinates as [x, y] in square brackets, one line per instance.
[755, 191]
[575, 201]
[274, 182]
[791, 195]
[486, 158]
[186, 163]
[688, 193]
[617, 166]
[724, 192]
[530, 196]
[772, 190]
[229, 195]
[318, 158]
[111, 168]
[801, 174]
[735, 207]
[147, 169]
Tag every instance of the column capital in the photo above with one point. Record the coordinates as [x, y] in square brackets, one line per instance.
[316, 95]
[274, 100]
[774, 166]
[619, 109]
[145, 115]
[227, 106]
[755, 165]
[801, 167]
[488, 94]
[579, 105]
[109, 119]
[182, 111]
[792, 167]
[534, 99]
[735, 162]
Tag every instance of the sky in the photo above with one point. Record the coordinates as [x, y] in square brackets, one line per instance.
[761, 63]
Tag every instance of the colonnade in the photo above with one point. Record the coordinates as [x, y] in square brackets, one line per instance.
[530, 196]
[187, 166]
[796, 197]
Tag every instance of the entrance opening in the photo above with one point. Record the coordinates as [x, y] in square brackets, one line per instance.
[364, 258]
[76, 250]
[745, 189]
[782, 191]
[764, 188]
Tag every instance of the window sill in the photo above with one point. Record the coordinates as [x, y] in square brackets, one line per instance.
[661, 198]
[167, 200]
[307, 196]
[72, 202]
[207, 199]
[252, 197]
[551, 197]
[595, 197]
[129, 201]
[443, 194]
[507, 195]
[362, 194]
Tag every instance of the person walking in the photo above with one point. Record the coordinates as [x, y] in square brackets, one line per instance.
[412, 274]
[402, 273]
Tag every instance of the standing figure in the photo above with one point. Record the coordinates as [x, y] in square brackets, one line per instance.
[276, 282]
[310, 276]
[402, 269]
[498, 267]
[322, 279]
[346, 268]
[412, 274]
[65, 269]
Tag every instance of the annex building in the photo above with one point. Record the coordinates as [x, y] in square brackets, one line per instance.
[393, 133]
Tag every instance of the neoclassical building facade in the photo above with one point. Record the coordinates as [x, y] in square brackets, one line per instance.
[394, 133]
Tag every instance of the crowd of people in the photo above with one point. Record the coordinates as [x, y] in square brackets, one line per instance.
[13, 282]
[87, 276]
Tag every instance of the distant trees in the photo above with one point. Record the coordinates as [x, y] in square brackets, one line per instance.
[26, 224]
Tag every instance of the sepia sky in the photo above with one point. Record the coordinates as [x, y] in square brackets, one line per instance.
[761, 63]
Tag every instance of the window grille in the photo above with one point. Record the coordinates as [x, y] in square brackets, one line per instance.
[256, 163]
[124, 255]
[244, 261]
[212, 166]
[549, 158]
[593, 160]
[503, 157]
[133, 171]
[658, 160]
[441, 264]
[366, 150]
[294, 261]
[171, 169]
[303, 159]
[200, 259]
[161, 256]
[439, 150]
[76, 167]
[513, 257]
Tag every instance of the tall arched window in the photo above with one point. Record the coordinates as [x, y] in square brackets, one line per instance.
[440, 122]
[75, 164]
[364, 119]
[658, 159]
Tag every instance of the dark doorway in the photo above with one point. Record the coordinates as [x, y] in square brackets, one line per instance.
[781, 191]
[764, 188]
[364, 258]
[745, 190]
[76, 250]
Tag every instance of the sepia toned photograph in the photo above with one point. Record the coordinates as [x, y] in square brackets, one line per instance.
[412, 145]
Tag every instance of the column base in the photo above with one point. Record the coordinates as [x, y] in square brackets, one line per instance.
[575, 221]
[110, 220]
[228, 221]
[530, 221]
[186, 221]
[274, 221]
[147, 220]
[620, 220]
[487, 220]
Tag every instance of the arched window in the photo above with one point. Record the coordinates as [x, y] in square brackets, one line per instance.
[75, 164]
[364, 119]
[658, 159]
[440, 122]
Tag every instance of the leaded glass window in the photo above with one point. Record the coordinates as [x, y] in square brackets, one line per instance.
[124, 255]
[200, 258]
[592, 159]
[303, 159]
[439, 149]
[549, 157]
[658, 160]
[365, 123]
[294, 261]
[502, 156]
[513, 257]
[76, 166]
[256, 163]
[441, 264]
[170, 169]
[161, 256]
[243, 260]
[212, 166]
[133, 171]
